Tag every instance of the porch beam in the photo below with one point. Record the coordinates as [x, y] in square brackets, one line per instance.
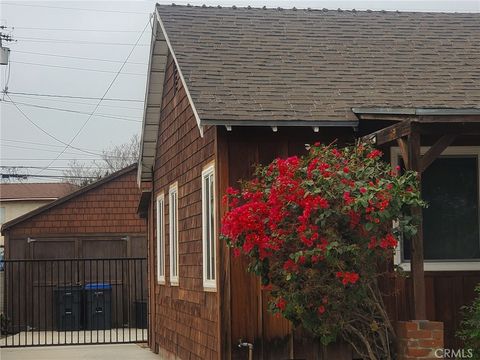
[435, 151]
[390, 133]
[417, 266]
[402, 144]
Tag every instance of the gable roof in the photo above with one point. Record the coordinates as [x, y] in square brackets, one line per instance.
[34, 191]
[68, 197]
[250, 66]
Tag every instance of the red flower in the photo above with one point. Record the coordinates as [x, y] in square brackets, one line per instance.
[388, 242]
[348, 277]
[236, 252]
[290, 266]
[363, 190]
[321, 309]
[346, 197]
[281, 304]
[374, 154]
[346, 170]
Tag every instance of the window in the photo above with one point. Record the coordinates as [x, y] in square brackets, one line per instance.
[451, 223]
[173, 232]
[160, 239]
[208, 226]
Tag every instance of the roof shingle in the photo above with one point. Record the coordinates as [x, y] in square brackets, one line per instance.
[314, 65]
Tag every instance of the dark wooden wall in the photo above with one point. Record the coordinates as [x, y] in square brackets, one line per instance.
[245, 314]
[185, 317]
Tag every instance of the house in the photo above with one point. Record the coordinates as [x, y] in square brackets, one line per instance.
[19, 198]
[91, 235]
[232, 87]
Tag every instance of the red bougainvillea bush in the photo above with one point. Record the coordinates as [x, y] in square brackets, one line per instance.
[317, 229]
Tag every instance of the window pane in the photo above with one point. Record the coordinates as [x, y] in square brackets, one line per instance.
[212, 228]
[451, 222]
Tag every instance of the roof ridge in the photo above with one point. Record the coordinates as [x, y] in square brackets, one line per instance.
[325, 10]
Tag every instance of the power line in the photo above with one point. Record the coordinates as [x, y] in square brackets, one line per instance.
[70, 29]
[79, 103]
[130, 119]
[76, 68]
[78, 57]
[35, 143]
[103, 96]
[72, 41]
[24, 176]
[71, 96]
[73, 8]
[44, 131]
[37, 149]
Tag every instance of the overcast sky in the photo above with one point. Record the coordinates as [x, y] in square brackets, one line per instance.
[52, 36]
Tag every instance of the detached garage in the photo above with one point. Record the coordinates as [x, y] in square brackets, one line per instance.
[88, 242]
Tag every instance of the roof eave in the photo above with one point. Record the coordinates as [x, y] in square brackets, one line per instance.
[415, 111]
[279, 123]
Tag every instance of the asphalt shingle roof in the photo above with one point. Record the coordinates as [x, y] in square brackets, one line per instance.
[272, 64]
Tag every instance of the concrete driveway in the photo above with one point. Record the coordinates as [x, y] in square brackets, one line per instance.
[80, 352]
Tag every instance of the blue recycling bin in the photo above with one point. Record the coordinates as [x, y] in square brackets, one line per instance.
[98, 306]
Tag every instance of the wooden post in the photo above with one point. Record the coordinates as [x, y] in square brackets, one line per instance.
[417, 268]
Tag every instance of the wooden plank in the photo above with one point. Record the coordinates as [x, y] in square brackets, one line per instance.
[402, 144]
[435, 151]
[389, 133]
[418, 274]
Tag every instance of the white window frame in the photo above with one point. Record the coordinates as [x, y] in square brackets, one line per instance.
[435, 265]
[160, 217]
[173, 229]
[209, 283]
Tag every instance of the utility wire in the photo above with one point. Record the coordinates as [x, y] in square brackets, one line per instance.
[77, 57]
[44, 131]
[130, 119]
[72, 41]
[76, 68]
[71, 96]
[24, 176]
[36, 143]
[104, 95]
[79, 103]
[70, 29]
[73, 8]
[38, 149]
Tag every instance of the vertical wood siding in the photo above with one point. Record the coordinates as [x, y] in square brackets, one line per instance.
[186, 316]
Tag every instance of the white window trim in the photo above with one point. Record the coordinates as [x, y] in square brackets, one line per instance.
[160, 217]
[209, 284]
[173, 189]
[467, 265]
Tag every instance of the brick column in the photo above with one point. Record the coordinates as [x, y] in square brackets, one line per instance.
[419, 339]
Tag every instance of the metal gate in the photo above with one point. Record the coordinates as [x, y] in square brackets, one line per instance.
[74, 301]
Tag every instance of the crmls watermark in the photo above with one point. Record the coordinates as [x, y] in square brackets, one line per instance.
[454, 354]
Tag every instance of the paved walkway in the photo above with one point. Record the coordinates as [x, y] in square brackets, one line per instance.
[80, 352]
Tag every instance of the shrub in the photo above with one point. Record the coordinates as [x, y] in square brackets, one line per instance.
[317, 229]
[470, 326]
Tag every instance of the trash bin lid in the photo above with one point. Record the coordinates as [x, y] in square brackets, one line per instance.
[98, 286]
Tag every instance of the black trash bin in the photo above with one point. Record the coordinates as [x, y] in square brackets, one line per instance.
[98, 306]
[68, 300]
[141, 314]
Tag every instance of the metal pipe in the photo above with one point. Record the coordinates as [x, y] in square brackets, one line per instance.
[242, 344]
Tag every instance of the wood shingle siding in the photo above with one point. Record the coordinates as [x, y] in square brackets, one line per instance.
[185, 318]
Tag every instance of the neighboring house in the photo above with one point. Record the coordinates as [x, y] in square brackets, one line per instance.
[19, 198]
[98, 221]
[232, 87]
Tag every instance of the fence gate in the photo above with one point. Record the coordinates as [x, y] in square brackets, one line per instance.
[74, 301]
